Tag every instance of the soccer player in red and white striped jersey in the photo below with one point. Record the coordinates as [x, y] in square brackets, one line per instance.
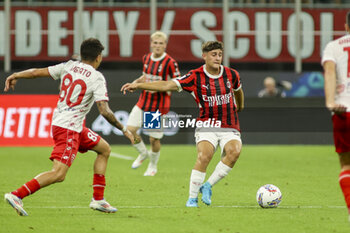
[157, 66]
[218, 92]
[336, 64]
[80, 86]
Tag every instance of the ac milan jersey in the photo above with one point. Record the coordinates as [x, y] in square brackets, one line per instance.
[157, 69]
[338, 51]
[81, 85]
[213, 94]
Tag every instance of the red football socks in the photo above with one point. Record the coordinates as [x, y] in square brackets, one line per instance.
[99, 185]
[28, 188]
[344, 181]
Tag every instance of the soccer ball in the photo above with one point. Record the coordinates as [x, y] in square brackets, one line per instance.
[269, 196]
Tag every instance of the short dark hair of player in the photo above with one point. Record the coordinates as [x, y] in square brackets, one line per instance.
[90, 49]
[212, 45]
[348, 19]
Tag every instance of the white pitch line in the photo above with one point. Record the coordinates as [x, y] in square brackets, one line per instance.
[120, 156]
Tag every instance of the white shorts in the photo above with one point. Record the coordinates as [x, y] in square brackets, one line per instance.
[217, 138]
[136, 120]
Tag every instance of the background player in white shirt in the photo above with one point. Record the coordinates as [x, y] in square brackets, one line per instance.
[81, 85]
[336, 64]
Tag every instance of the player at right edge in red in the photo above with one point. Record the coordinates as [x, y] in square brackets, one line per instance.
[336, 65]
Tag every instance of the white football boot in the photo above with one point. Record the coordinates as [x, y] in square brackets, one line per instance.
[16, 203]
[152, 166]
[151, 170]
[102, 205]
[139, 160]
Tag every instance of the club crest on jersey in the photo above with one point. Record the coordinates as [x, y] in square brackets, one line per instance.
[152, 120]
[228, 84]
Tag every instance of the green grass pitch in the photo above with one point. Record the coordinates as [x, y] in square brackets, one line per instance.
[306, 175]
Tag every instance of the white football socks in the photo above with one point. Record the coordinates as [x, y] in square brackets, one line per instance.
[154, 157]
[141, 148]
[220, 172]
[196, 181]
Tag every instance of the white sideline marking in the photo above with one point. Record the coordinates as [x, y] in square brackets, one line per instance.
[167, 207]
[120, 156]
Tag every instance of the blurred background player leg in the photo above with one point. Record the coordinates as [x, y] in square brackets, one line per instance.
[154, 153]
[133, 125]
[140, 146]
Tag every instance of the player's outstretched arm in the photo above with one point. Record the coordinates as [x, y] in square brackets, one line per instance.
[160, 86]
[107, 113]
[329, 88]
[239, 97]
[140, 79]
[11, 80]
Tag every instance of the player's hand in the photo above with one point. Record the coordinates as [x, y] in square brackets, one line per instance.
[129, 135]
[10, 83]
[336, 108]
[137, 140]
[130, 87]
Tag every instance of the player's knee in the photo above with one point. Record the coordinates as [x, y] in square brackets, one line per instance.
[107, 151]
[59, 176]
[232, 154]
[154, 141]
[203, 158]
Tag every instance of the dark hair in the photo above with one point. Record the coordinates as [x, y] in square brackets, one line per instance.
[212, 45]
[348, 18]
[90, 49]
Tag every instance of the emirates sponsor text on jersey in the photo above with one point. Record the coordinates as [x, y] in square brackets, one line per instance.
[218, 99]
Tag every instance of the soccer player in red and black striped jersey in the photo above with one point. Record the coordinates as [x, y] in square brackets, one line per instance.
[157, 66]
[218, 92]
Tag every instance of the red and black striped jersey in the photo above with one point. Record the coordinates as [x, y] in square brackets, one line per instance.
[163, 68]
[213, 94]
